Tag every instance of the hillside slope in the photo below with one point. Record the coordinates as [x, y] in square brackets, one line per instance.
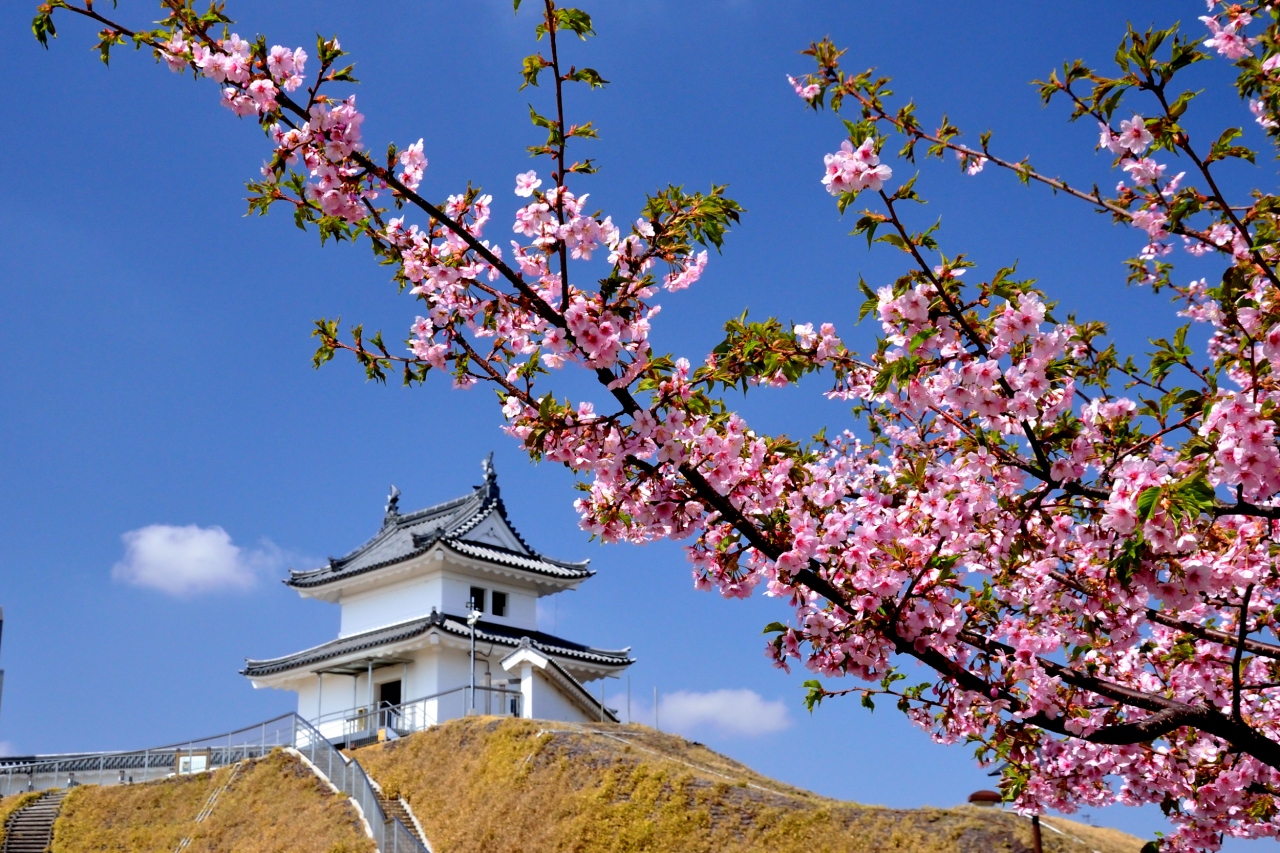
[10, 804]
[486, 785]
[273, 805]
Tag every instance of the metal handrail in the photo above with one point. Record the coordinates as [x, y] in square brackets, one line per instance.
[120, 766]
[289, 730]
[57, 756]
[390, 835]
[365, 710]
[363, 722]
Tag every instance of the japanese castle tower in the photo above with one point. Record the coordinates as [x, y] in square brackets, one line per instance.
[437, 600]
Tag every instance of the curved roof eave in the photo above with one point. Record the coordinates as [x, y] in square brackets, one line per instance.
[481, 551]
[486, 632]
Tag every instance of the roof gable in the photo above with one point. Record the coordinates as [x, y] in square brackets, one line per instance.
[475, 525]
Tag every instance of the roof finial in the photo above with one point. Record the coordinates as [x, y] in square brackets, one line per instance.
[490, 475]
[393, 503]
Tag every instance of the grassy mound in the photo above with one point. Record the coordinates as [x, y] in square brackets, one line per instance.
[273, 805]
[503, 785]
[10, 804]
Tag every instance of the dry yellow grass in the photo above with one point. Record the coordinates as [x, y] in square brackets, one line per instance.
[10, 804]
[152, 816]
[486, 785]
[272, 806]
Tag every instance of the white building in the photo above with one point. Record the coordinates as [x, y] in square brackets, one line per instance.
[403, 659]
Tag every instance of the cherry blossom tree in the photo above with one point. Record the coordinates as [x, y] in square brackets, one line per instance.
[1079, 550]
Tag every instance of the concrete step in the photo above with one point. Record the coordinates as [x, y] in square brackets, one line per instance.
[30, 829]
[394, 807]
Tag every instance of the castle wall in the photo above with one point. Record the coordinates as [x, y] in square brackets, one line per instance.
[446, 590]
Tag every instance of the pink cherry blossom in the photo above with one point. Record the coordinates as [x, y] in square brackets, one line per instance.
[414, 163]
[854, 170]
[807, 91]
[1228, 41]
[527, 183]
[1134, 135]
[1143, 171]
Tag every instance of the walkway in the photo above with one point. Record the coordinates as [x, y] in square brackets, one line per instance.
[30, 828]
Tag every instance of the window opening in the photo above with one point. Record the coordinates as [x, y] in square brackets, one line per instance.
[477, 598]
[499, 603]
[389, 693]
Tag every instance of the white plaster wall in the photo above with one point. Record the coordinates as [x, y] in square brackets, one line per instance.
[398, 602]
[549, 703]
[522, 610]
[336, 695]
[434, 669]
[522, 605]
[446, 589]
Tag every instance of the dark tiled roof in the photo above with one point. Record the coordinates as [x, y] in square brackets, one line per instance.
[486, 632]
[405, 536]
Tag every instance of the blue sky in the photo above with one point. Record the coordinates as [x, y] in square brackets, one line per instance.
[156, 366]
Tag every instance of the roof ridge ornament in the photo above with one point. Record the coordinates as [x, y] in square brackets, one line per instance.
[490, 476]
[393, 506]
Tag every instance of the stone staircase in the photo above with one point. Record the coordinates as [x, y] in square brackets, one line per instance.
[30, 829]
[397, 808]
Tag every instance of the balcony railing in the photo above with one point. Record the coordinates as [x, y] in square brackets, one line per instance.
[364, 721]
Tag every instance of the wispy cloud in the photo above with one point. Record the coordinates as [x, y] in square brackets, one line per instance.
[186, 561]
[6, 748]
[738, 713]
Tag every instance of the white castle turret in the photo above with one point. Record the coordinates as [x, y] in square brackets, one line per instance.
[428, 588]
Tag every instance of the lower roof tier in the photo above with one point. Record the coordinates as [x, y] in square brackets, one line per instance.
[378, 640]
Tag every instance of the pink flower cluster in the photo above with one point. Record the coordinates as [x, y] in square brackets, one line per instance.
[231, 61]
[852, 170]
[1228, 40]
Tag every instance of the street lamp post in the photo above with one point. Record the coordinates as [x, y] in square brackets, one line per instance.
[472, 617]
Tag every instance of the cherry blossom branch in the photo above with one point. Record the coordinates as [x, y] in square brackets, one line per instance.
[914, 131]
[975, 339]
[1184, 144]
[1239, 654]
[561, 166]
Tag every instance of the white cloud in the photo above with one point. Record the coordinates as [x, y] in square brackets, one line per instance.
[740, 713]
[6, 748]
[185, 561]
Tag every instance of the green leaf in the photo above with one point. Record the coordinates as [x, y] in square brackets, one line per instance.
[589, 76]
[42, 25]
[540, 120]
[576, 21]
[1222, 148]
[1129, 560]
[773, 628]
[1147, 500]
[1179, 106]
[894, 240]
[814, 695]
[532, 66]
[342, 75]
